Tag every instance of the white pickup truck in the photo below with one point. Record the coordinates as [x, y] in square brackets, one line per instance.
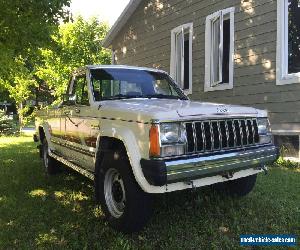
[135, 133]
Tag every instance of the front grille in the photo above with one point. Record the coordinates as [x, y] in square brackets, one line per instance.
[215, 135]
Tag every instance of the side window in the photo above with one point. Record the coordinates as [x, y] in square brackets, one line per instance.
[219, 46]
[162, 87]
[80, 90]
[288, 42]
[181, 56]
[105, 88]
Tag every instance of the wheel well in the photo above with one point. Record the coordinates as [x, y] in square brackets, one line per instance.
[107, 144]
[41, 134]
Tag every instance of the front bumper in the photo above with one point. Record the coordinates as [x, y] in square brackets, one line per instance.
[162, 172]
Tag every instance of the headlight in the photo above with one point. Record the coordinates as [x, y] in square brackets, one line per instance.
[263, 126]
[172, 138]
[265, 139]
[172, 133]
[264, 131]
[172, 150]
[167, 139]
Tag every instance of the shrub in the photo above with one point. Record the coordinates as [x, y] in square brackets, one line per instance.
[282, 162]
[8, 126]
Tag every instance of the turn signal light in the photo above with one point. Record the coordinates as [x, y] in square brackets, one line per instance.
[154, 141]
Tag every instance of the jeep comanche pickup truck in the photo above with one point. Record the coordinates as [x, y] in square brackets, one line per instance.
[135, 133]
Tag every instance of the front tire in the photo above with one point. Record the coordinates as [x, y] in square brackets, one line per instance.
[50, 164]
[126, 206]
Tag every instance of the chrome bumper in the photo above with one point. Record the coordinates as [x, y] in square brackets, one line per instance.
[203, 166]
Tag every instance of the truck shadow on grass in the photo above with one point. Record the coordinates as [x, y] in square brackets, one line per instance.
[40, 211]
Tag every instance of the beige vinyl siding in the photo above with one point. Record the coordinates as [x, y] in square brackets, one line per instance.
[147, 39]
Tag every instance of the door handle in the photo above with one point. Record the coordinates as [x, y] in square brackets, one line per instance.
[77, 110]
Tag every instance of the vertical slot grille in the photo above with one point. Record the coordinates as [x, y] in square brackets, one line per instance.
[238, 133]
[217, 135]
[207, 134]
[250, 132]
[255, 127]
[244, 132]
[199, 135]
[224, 134]
[231, 134]
[190, 137]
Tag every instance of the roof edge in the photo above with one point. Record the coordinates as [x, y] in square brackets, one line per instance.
[121, 21]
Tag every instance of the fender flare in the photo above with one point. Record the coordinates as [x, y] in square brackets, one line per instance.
[45, 127]
[128, 139]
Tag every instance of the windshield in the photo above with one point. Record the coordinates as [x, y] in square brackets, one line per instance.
[113, 83]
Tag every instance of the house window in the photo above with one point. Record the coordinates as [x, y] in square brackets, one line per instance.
[288, 42]
[181, 56]
[219, 47]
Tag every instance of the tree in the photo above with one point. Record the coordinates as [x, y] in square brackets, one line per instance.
[75, 44]
[25, 26]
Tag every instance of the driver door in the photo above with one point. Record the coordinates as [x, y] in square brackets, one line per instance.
[79, 134]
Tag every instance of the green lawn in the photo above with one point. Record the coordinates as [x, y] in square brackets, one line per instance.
[37, 211]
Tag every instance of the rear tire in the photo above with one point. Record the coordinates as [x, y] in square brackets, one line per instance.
[50, 164]
[126, 206]
[238, 187]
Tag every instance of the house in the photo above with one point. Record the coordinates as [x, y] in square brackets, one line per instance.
[234, 52]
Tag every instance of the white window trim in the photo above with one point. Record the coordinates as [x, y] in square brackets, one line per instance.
[174, 31]
[282, 75]
[207, 81]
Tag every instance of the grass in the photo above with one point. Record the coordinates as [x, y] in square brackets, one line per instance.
[58, 212]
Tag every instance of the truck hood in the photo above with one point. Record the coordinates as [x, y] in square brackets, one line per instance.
[166, 109]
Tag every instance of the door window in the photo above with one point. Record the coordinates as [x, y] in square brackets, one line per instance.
[80, 90]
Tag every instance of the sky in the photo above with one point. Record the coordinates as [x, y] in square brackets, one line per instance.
[104, 10]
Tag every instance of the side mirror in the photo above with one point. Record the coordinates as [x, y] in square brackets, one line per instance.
[69, 99]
